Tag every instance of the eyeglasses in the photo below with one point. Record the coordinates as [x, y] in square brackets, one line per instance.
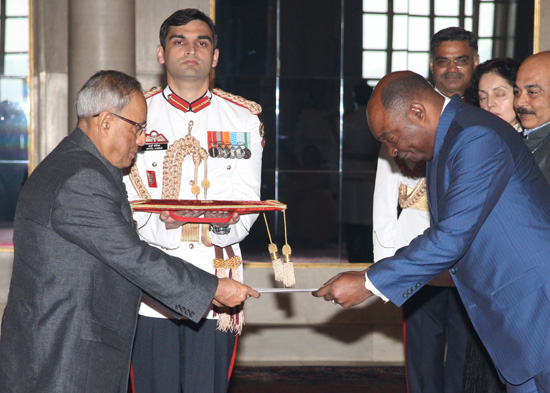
[141, 127]
[460, 62]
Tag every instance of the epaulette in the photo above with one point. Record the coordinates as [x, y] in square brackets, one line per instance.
[152, 91]
[252, 106]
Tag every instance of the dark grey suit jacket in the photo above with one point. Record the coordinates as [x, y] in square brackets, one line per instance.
[539, 144]
[78, 273]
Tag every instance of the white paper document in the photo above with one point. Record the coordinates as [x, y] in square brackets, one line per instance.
[285, 290]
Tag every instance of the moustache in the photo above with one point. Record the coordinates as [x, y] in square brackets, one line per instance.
[524, 111]
[453, 75]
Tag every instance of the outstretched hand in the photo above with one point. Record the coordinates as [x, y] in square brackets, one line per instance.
[231, 293]
[235, 217]
[172, 223]
[346, 289]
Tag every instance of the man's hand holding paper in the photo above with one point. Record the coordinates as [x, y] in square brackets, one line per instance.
[231, 293]
[346, 289]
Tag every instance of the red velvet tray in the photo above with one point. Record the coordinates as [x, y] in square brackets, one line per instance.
[173, 205]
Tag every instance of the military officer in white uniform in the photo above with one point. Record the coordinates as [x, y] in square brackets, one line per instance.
[201, 144]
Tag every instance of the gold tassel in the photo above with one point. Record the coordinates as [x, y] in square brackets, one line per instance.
[229, 319]
[276, 261]
[274, 253]
[289, 278]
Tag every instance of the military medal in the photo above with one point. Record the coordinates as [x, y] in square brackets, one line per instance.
[228, 144]
[222, 151]
[213, 152]
[247, 153]
[239, 152]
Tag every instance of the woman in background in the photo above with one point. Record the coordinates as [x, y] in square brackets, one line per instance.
[492, 89]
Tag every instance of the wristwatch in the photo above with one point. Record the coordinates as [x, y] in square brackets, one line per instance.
[220, 230]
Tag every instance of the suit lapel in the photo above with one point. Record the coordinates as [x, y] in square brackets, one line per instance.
[432, 194]
[431, 166]
[85, 143]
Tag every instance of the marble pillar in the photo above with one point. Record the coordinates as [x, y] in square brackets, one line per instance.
[101, 37]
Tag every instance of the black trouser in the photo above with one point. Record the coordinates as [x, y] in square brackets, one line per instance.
[173, 356]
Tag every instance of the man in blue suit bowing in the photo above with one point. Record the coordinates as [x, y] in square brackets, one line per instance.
[490, 225]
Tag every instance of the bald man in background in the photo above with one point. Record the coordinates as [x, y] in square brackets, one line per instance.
[532, 104]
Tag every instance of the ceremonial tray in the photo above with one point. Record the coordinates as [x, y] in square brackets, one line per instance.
[173, 205]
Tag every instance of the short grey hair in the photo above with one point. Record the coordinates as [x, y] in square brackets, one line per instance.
[105, 91]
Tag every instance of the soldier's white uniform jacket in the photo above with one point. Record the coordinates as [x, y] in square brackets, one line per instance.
[216, 116]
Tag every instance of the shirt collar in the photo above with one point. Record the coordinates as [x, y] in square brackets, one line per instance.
[447, 100]
[186, 106]
[527, 132]
[446, 96]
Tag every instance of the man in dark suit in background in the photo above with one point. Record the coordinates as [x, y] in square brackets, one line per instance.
[532, 104]
[490, 225]
[79, 266]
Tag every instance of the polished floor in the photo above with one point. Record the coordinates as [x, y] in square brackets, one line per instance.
[318, 379]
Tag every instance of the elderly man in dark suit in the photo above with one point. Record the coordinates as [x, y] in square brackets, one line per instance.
[80, 268]
[490, 225]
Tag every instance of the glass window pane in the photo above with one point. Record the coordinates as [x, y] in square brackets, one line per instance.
[17, 35]
[310, 193]
[375, 31]
[309, 123]
[419, 63]
[446, 7]
[13, 133]
[13, 162]
[419, 7]
[401, 6]
[486, 19]
[485, 48]
[442, 23]
[17, 8]
[16, 64]
[374, 64]
[419, 33]
[400, 23]
[399, 61]
[375, 5]
[469, 8]
[12, 177]
[298, 57]
[468, 24]
[12, 90]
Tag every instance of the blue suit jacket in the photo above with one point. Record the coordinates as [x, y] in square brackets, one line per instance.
[490, 227]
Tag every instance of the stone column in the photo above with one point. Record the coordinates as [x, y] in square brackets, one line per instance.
[543, 26]
[49, 79]
[101, 37]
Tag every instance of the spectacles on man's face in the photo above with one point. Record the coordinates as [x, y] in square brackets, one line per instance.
[141, 127]
[460, 62]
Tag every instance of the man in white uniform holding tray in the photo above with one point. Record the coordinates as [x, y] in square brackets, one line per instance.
[201, 144]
